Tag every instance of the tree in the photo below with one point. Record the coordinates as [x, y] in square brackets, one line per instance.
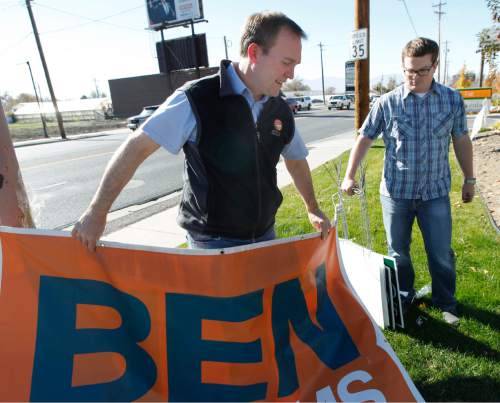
[330, 90]
[391, 84]
[493, 81]
[488, 46]
[379, 88]
[297, 84]
[494, 6]
[9, 102]
[464, 79]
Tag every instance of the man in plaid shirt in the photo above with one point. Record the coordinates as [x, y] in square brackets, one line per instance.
[416, 121]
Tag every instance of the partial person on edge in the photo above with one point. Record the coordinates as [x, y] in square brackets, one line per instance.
[232, 127]
[416, 121]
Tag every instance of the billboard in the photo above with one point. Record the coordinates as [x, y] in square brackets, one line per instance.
[349, 77]
[183, 53]
[162, 13]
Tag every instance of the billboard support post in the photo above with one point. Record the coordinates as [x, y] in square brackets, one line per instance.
[163, 44]
[195, 50]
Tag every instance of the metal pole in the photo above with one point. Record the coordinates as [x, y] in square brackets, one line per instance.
[167, 71]
[195, 48]
[362, 67]
[46, 71]
[45, 134]
[225, 47]
[481, 70]
[322, 75]
[439, 13]
[445, 78]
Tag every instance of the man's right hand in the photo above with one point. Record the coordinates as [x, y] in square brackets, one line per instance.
[89, 229]
[348, 186]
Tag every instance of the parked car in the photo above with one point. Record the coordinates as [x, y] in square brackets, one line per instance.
[373, 99]
[304, 103]
[293, 104]
[135, 121]
[339, 102]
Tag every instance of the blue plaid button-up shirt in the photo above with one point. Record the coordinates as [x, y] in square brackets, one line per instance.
[416, 132]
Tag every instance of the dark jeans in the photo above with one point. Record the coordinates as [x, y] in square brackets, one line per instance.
[199, 241]
[434, 219]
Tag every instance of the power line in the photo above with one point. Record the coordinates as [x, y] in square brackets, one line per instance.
[409, 17]
[439, 13]
[4, 50]
[90, 20]
[12, 5]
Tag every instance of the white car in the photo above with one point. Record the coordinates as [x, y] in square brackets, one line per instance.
[304, 103]
[339, 102]
[373, 99]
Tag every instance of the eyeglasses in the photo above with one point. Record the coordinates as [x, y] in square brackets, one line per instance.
[420, 72]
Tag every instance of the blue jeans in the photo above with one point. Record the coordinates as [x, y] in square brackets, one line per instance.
[434, 219]
[199, 241]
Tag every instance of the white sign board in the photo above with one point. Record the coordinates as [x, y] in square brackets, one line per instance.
[359, 44]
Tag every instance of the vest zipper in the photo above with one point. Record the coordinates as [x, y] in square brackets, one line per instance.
[259, 195]
[257, 141]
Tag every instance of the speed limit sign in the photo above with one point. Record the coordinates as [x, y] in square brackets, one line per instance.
[359, 44]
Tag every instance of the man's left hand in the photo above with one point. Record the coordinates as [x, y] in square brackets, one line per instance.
[320, 222]
[467, 192]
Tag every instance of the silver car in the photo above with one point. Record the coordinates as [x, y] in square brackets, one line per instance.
[135, 121]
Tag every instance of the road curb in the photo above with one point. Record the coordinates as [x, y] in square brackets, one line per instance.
[132, 214]
[51, 140]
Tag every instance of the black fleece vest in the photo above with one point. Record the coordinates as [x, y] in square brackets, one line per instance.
[230, 187]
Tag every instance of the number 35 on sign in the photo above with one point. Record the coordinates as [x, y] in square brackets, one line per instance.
[359, 44]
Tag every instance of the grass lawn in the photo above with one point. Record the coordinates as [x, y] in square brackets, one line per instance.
[34, 130]
[446, 363]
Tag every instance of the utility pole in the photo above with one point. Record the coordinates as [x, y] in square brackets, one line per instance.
[446, 50]
[96, 88]
[322, 75]
[45, 134]
[46, 71]
[225, 47]
[481, 70]
[439, 13]
[362, 67]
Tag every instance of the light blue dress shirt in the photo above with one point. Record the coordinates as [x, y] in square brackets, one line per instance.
[174, 122]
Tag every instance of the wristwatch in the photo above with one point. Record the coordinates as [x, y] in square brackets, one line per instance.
[470, 181]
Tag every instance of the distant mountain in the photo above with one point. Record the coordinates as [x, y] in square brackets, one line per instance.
[339, 82]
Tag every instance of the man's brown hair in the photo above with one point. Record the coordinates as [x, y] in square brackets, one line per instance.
[420, 47]
[262, 29]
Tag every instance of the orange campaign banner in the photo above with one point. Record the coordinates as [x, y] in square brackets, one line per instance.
[276, 321]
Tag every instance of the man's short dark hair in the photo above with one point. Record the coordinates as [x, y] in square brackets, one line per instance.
[262, 29]
[420, 47]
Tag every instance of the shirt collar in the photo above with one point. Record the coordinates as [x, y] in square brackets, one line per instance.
[232, 84]
[435, 87]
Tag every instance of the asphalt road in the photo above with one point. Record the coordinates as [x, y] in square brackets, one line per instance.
[62, 177]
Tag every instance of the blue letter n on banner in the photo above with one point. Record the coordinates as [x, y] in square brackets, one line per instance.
[331, 343]
[58, 341]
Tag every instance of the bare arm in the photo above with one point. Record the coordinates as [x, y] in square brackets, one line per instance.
[301, 175]
[463, 151]
[119, 170]
[358, 152]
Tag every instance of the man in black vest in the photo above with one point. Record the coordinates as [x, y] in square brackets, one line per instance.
[232, 127]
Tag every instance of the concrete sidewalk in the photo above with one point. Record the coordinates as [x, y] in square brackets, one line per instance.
[161, 229]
